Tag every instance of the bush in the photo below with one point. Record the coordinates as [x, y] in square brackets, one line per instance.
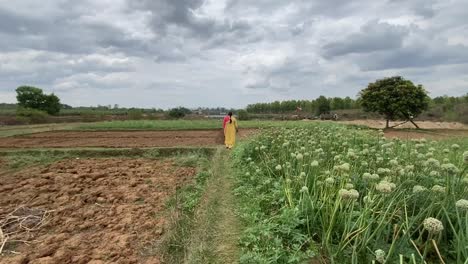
[135, 114]
[179, 112]
[31, 116]
[243, 115]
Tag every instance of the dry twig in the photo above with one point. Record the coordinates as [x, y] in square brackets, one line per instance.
[19, 223]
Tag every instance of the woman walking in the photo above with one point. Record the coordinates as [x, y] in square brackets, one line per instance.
[230, 130]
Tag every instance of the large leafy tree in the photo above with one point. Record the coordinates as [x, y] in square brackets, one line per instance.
[395, 98]
[323, 105]
[34, 98]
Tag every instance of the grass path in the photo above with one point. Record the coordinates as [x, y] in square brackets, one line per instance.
[217, 228]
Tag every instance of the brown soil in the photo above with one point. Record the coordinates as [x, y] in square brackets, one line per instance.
[119, 139]
[428, 134]
[422, 124]
[87, 211]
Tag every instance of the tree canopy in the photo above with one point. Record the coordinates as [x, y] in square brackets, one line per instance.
[34, 98]
[394, 98]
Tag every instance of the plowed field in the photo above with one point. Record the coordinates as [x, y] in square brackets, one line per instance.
[117, 139]
[87, 210]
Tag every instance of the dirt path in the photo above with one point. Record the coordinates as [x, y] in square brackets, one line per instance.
[428, 134]
[422, 124]
[217, 226]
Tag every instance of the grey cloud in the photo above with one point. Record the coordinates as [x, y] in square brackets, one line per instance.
[177, 17]
[424, 8]
[421, 55]
[373, 36]
[167, 13]
[258, 50]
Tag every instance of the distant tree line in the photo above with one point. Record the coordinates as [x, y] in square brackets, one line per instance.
[317, 106]
[323, 104]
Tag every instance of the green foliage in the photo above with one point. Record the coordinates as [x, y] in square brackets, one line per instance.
[178, 113]
[183, 205]
[307, 106]
[184, 124]
[394, 98]
[20, 160]
[52, 104]
[349, 192]
[243, 115]
[34, 98]
[323, 105]
[135, 114]
[31, 116]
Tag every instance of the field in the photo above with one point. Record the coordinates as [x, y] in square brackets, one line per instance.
[290, 192]
[72, 206]
[120, 139]
[338, 194]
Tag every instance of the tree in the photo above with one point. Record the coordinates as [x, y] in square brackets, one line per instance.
[179, 112]
[51, 104]
[394, 98]
[243, 115]
[323, 105]
[34, 98]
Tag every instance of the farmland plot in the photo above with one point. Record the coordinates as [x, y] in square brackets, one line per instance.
[336, 194]
[88, 210]
[119, 139]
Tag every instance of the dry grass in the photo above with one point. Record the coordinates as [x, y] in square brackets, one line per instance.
[16, 226]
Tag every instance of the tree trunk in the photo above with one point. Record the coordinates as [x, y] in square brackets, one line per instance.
[400, 124]
[387, 126]
[411, 120]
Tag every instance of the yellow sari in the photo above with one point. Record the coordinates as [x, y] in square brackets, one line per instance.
[230, 133]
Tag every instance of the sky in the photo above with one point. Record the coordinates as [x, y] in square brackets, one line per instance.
[167, 53]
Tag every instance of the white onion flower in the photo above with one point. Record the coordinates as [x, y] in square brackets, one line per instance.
[433, 225]
[278, 167]
[385, 187]
[368, 176]
[419, 188]
[304, 189]
[438, 188]
[329, 180]
[462, 204]
[449, 167]
[383, 171]
[349, 186]
[433, 162]
[455, 147]
[348, 194]
[380, 256]
[299, 156]
[314, 163]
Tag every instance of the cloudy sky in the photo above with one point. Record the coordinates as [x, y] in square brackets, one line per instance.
[163, 53]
